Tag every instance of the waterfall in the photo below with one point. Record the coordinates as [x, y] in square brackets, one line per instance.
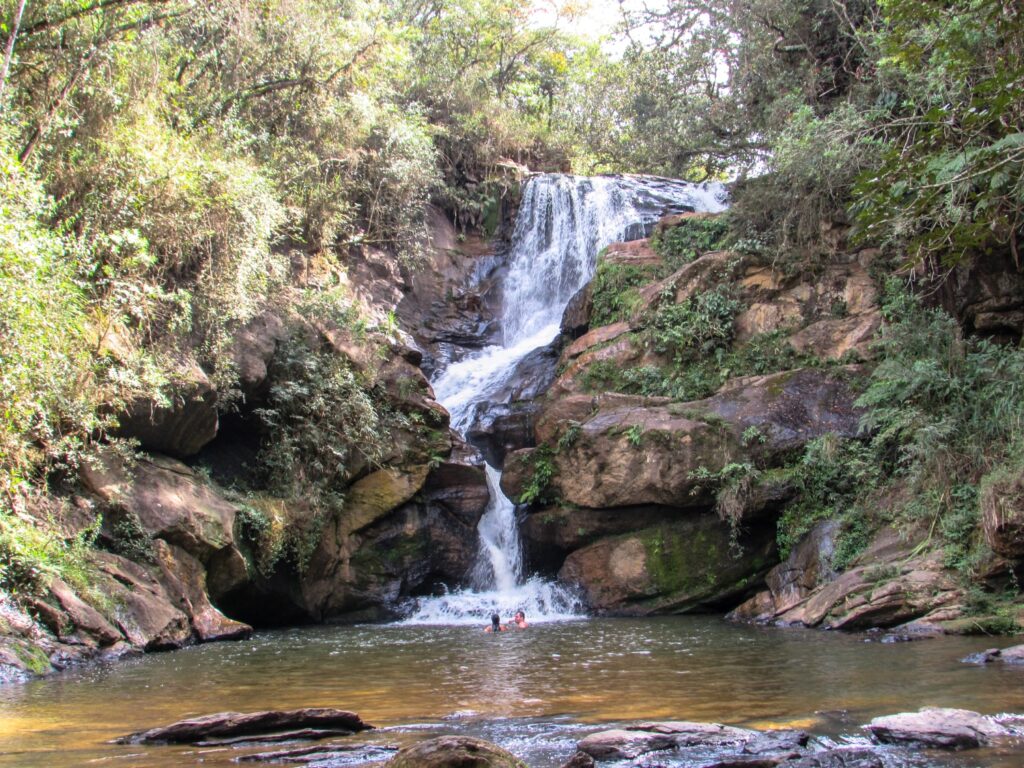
[563, 223]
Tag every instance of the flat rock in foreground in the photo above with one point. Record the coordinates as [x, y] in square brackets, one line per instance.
[938, 727]
[627, 743]
[323, 721]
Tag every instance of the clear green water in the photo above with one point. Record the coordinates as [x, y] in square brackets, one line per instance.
[534, 691]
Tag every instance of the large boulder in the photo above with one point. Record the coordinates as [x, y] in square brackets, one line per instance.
[619, 450]
[230, 725]
[987, 296]
[455, 752]
[253, 347]
[400, 531]
[505, 421]
[551, 533]
[184, 578]
[689, 564]
[144, 612]
[629, 743]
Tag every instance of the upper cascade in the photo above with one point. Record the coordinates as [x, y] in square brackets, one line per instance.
[562, 225]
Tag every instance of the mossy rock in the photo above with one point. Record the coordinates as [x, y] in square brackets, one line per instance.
[455, 752]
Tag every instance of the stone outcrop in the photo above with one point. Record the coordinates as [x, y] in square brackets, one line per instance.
[166, 498]
[1012, 655]
[455, 752]
[505, 422]
[713, 744]
[987, 296]
[452, 301]
[252, 349]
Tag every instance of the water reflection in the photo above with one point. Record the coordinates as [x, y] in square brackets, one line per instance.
[534, 690]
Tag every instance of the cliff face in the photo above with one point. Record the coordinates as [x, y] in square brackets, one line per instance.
[326, 485]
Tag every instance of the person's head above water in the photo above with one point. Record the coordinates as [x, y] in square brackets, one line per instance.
[495, 620]
[520, 616]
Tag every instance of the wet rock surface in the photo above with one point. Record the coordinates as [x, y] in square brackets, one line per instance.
[1012, 655]
[229, 725]
[704, 744]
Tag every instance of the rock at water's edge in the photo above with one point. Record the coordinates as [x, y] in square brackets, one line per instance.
[229, 724]
[937, 727]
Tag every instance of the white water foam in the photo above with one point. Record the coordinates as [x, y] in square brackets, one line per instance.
[563, 223]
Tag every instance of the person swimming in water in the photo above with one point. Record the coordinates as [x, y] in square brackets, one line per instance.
[519, 621]
[495, 624]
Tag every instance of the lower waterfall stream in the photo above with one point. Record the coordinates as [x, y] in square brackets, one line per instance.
[562, 225]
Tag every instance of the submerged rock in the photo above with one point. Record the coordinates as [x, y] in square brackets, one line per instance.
[455, 752]
[937, 727]
[579, 760]
[839, 758]
[1012, 655]
[320, 753]
[228, 725]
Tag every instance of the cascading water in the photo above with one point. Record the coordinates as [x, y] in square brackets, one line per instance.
[563, 222]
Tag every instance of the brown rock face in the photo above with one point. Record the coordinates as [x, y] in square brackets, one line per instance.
[372, 554]
[576, 318]
[455, 752]
[182, 426]
[185, 580]
[147, 616]
[253, 348]
[987, 297]
[628, 743]
[80, 615]
[685, 565]
[635, 252]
